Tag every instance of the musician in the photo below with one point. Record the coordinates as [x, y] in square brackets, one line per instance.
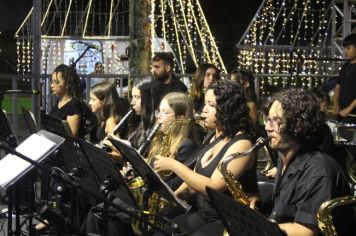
[225, 111]
[345, 96]
[246, 80]
[305, 176]
[108, 107]
[65, 84]
[203, 77]
[176, 138]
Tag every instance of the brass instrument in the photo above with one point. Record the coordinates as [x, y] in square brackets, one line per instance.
[324, 216]
[232, 184]
[155, 202]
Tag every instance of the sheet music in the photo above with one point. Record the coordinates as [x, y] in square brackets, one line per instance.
[11, 166]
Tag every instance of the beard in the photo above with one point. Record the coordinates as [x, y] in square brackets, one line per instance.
[162, 77]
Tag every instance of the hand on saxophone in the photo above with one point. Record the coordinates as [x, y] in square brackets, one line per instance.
[162, 163]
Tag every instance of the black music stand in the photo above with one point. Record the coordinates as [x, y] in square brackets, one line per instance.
[53, 124]
[239, 219]
[29, 120]
[6, 133]
[12, 168]
[105, 170]
[150, 177]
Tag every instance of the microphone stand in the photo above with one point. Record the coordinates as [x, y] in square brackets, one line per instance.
[75, 184]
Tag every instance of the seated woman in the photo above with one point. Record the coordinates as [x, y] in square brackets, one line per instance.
[108, 107]
[225, 111]
[203, 77]
[65, 84]
[246, 80]
[176, 138]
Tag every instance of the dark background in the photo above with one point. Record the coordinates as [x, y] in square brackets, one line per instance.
[228, 19]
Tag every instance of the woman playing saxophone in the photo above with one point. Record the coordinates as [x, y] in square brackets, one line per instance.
[225, 111]
[176, 138]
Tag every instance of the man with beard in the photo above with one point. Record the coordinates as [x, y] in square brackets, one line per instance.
[305, 176]
[164, 79]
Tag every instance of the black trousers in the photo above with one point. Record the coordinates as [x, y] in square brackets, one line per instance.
[196, 224]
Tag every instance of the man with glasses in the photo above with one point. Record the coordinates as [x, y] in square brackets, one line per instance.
[305, 177]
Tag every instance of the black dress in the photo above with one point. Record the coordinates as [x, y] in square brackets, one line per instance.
[204, 219]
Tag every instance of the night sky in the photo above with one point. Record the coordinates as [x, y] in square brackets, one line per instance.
[228, 20]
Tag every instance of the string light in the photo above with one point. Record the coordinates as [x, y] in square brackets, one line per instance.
[284, 39]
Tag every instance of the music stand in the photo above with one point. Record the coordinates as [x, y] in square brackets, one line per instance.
[36, 148]
[52, 124]
[150, 177]
[105, 169]
[29, 120]
[239, 219]
[6, 133]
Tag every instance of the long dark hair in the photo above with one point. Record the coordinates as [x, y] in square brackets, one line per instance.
[71, 79]
[245, 75]
[113, 105]
[197, 92]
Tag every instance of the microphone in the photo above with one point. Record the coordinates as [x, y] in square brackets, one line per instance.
[90, 45]
[33, 91]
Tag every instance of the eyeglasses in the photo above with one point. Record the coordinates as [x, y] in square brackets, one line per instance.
[163, 114]
[273, 122]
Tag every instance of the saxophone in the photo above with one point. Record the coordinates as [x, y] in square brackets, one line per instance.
[155, 202]
[324, 216]
[232, 184]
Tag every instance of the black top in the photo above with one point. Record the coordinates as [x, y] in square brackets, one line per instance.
[184, 155]
[71, 108]
[347, 82]
[310, 179]
[174, 86]
[248, 179]
[100, 132]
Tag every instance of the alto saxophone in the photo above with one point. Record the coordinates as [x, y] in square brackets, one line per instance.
[232, 184]
[155, 202]
[324, 215]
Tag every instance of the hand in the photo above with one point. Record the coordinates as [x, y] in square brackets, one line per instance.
[115, 154]
[271, 172]
[253, 200]
[162, 163]
[344, 112]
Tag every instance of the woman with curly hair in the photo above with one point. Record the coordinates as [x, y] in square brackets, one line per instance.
[226, 112]
[204, 76]
[65, 83]
[108, 107]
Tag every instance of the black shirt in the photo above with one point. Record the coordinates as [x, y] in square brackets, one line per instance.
[71, 108]
[310, 179]
[347, 82]
[184, 154]
[174, 86]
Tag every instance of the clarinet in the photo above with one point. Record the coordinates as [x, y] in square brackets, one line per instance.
[117, 128]
[144, 146]
[142, 151]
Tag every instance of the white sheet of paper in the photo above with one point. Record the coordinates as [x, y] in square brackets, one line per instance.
[12, 166]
